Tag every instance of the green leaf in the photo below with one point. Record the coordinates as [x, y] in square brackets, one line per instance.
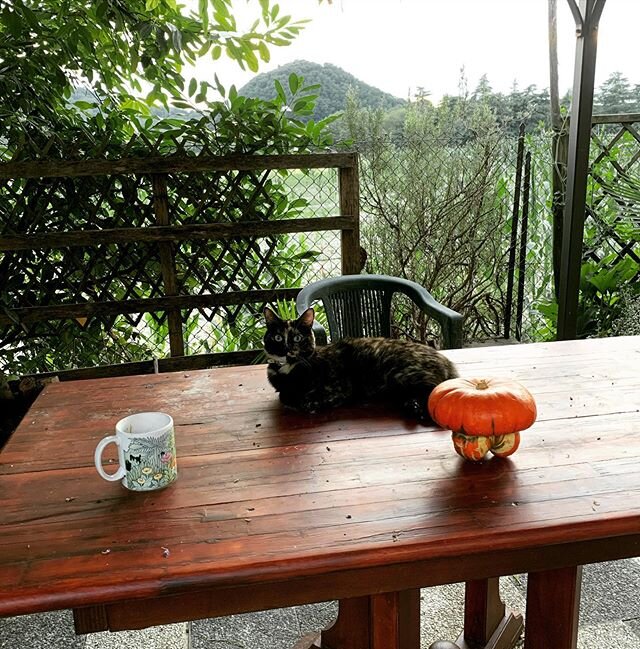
[145, 28]
[301, 105]
[280, 91]
[13, 22]
[265, 55]
[298, 203]
[294, 81]
[204, 49]
[219, 86]
[193, 86]
[203, 12]
[252, 60]
[31, 18]
[264, 5]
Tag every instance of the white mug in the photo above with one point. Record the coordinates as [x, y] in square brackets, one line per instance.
[146, 452]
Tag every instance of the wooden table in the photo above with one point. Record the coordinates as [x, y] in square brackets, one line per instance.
[274, 508]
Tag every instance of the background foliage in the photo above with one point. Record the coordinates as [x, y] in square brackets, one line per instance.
[82, 80]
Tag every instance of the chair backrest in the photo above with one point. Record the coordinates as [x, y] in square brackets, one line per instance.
[356, 305]
[358, 312]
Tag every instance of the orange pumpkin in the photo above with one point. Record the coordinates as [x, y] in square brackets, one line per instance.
[484, 414]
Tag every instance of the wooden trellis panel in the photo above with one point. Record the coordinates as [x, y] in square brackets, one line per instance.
[615, 156]
[90, 241]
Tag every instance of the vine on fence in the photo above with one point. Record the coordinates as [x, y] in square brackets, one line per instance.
[124, 271]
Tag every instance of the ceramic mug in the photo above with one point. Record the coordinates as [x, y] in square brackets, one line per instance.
[146, 452]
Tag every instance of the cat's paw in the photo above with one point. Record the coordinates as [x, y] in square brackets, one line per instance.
[417, 409]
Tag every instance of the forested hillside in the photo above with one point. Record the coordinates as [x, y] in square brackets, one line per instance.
[527, 104]
[334, 82]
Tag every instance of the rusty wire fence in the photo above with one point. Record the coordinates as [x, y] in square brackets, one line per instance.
[470, 221]
[130, 262]
[473, 222]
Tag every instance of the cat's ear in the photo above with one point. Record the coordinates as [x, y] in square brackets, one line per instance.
[306, 319]
[270, 316]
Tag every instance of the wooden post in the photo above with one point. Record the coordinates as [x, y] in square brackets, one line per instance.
[348, 182]
[383, 621]
[167, 264]
[488, 624]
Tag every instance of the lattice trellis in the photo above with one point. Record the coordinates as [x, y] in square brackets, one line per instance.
[612, 219]
[139, 258]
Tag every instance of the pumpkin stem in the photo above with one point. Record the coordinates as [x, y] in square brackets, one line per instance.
[482, 385]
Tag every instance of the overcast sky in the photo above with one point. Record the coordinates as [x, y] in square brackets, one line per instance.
[398, 45]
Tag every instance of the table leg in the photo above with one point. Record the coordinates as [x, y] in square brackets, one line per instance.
[488, 624]
[553, 604]
[383, 621]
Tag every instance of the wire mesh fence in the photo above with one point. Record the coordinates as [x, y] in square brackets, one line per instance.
[137, 272]
[469, 218]
[445, 213]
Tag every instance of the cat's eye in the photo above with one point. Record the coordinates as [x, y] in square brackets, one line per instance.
[297, 338]
[278, 338]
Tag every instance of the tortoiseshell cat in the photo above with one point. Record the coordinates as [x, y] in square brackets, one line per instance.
[350, 370]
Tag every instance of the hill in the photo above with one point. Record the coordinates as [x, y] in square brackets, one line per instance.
[334, 81]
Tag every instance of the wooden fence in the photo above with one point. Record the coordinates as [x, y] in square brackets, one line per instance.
[91, 241]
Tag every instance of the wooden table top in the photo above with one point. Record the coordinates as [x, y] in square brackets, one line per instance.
[266, 495]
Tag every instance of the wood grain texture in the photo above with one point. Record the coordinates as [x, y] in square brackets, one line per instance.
[273, 507]
[553, 603]
[174, 233]
[173, 164]
[167, 263]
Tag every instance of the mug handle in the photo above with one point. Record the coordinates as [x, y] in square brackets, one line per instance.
[97, 458]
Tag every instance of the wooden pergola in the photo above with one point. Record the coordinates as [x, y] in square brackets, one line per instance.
[587, 17]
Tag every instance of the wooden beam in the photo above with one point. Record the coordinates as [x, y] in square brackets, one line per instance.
[27, 315]
[172, 233]
[168, 264]
[174, 164]
[349, 185]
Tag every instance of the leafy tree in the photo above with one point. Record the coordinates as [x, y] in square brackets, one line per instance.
[483, 90]
[81, 78]
[615, 95]
[130, 53]
[433, 197]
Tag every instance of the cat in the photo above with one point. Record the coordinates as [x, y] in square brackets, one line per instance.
[351, 370]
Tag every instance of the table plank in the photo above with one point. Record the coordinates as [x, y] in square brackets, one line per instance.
[266, 494]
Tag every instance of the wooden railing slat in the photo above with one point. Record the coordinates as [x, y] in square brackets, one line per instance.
[173, 164]
[174, 233]
[28, 315]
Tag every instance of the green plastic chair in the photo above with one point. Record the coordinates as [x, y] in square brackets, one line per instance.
[360, 306]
